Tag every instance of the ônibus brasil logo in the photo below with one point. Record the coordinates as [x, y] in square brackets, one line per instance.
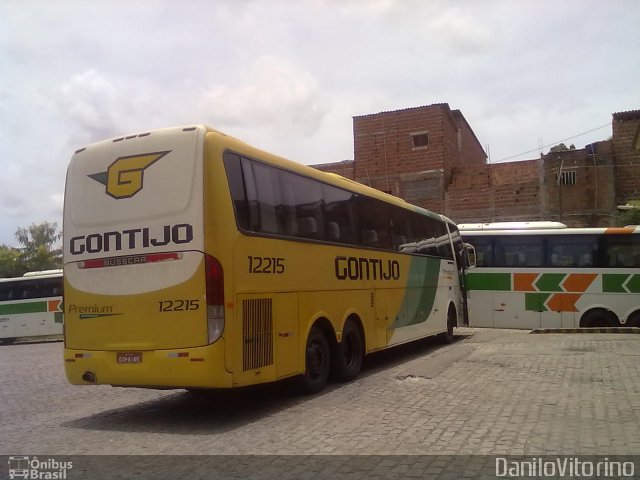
[124, 177]
[38, 469]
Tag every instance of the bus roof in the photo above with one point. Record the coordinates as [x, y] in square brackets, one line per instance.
[44, 273]
[34, 276]
[326, 177]
[511, 226]
[630, 230]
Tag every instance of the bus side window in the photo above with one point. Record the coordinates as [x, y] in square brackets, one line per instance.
[339, 214]
[302, 202]
[572, 250]
[374, 223]
[333, 231]
[370, 238]
[520, 251]
[6, 292]
[307, 227]
[253, 206]
[236, 187]
[621, 251]
[268, 190]
[484, 251]
[400, 229]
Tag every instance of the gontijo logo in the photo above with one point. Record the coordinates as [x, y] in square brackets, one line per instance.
[124, 177]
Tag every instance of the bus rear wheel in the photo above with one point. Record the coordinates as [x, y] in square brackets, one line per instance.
[317, 362]
[599, 318]
[349, 353]
[634, 320]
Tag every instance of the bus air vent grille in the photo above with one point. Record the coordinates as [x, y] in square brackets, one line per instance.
[257, 333]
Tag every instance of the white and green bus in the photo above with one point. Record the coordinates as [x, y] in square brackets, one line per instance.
[531, 275]
[31, 305]
[193, 260]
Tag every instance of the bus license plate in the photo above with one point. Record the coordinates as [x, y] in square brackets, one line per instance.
[129, 357]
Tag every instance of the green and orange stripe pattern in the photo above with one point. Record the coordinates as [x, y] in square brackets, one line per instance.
[557, 292]
[38, 306]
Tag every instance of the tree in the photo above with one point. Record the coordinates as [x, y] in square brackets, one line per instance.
[38, 251]
[632, 215]
[561, 147]
[10, 262]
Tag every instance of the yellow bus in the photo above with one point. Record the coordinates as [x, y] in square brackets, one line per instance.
[193, 260]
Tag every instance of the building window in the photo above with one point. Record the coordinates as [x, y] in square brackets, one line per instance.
[568, 177]
[420, 140]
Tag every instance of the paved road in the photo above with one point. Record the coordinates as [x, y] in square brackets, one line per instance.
[493, 392]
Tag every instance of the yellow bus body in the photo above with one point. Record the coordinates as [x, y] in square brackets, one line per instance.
[123, 324]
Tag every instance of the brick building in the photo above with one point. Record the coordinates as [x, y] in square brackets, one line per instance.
[430, 156]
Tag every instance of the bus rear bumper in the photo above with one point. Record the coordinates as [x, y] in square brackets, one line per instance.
[198, 367]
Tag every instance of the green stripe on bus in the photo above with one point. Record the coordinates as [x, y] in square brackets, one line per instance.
[550, 282]
[420, 293]
[18, 308]
[535, 302]
[612, 282]
[633, 285]
[488, 281]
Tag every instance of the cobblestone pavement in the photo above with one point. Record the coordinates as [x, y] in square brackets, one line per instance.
[493, 392]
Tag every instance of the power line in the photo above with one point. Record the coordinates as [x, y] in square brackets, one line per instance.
[553, 143]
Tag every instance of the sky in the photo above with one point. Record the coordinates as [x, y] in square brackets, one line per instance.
[288, 76]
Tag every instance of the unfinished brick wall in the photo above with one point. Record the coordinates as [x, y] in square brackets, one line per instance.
[626, 148]
[579, 186]
[497, 192]
[449, 174]
[390, 155]
[383, 142]
[471, 151]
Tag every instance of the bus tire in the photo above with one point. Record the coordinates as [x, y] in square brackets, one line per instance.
[448, 336]
[349, 353]
[599, 318]
[634, 320]
[317, 362]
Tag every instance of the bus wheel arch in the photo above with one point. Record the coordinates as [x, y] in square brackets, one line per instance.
[317, 356]
[348, 355]
[599, 318]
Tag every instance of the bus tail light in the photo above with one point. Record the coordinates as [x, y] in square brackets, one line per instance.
[215, 298]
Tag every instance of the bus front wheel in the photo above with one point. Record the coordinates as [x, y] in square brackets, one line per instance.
[317, 362]
[451, 323]
[349, 353]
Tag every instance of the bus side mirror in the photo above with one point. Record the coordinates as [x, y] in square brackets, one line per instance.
[469, 255]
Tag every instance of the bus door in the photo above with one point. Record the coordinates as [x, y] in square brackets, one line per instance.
[385, 307]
